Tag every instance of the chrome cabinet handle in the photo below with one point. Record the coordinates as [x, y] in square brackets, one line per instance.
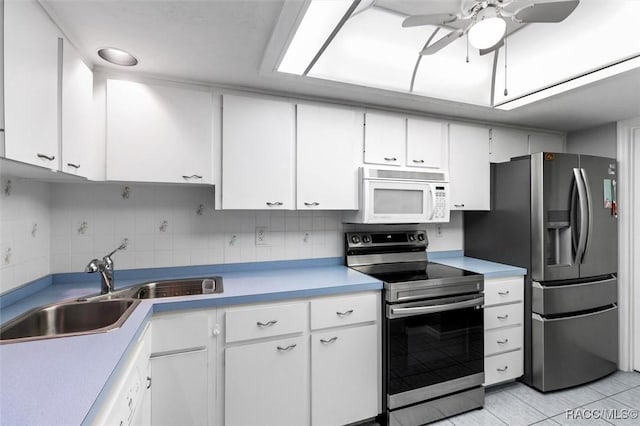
[458, 205]
[277, 203]
[266, 324]
[312, 204]
[191, 177]
[390, 159]
[287, 348]
[148, 382]
[46, 157]
[503, 342]
[418, 161]
[75, 166]
[503, 317]
[503, 293]
[329, 341]
[506, 367]
[345, 313]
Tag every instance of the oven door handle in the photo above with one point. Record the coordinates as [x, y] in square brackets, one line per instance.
[419, 310]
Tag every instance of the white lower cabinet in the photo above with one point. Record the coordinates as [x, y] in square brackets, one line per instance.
[343, 375]
[266, 383]
[179, 389]
[503, 329]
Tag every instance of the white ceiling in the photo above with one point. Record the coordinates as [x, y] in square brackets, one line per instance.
[222, 42]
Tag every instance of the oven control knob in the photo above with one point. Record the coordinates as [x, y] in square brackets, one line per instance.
[412, 237]
[366, 239]
[355, 239]
[420, 237]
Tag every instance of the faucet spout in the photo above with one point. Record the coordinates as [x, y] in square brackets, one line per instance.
[105, 267]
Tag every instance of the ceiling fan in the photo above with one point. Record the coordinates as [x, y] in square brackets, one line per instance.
[485, 21]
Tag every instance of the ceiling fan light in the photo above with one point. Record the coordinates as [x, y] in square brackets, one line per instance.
[487, 32]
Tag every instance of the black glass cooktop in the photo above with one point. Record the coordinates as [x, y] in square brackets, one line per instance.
[432, 271]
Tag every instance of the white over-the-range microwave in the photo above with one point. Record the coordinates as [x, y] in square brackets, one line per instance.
[393, 195]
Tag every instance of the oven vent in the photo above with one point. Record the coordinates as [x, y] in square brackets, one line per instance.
[405, 175]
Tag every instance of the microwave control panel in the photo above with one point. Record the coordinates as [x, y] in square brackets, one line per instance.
[440, 208]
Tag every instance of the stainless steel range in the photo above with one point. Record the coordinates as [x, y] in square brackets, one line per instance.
[433, 344]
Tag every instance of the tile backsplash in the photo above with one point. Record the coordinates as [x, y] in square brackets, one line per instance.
[25, 220]
[60, 227]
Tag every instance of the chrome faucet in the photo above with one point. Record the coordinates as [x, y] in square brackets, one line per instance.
[105, 267]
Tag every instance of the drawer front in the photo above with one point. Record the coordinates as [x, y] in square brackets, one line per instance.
[498, 368]
[502, 340]
[502, 316]
[254, 323]
[343, 310]
[503, 290]
[174, 332]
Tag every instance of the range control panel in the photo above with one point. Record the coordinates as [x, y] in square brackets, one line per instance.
[384, 239]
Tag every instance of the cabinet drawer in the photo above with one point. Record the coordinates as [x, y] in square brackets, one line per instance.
[255, 323]
[502, 316]
[502, 340]
[498, 368]
[343, 310]
[174, 332]
[503, 290]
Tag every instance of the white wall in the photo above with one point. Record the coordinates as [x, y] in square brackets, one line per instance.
[601, 141]
[25, 221]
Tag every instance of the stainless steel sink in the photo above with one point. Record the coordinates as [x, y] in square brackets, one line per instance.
[168, 288]
[68, 319]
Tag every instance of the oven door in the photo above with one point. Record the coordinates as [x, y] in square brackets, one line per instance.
[397, 202]
[433, 348]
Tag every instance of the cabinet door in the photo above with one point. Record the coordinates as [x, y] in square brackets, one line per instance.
[507, 143]
[258, 145]
[179, 389]
[266, 384]
[384, 139]
[427, 144]
[77, 114]
[344, 373]
[158, 133]
[30, 84]
[545, 143]
[469, 167]
[329, 141]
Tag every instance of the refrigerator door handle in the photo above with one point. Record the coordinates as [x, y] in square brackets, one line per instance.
[584, 221]
[589, 213]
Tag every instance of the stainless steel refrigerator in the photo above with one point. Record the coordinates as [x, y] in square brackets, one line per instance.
[556, 215]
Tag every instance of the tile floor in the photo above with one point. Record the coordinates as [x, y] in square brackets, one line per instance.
[515, 404]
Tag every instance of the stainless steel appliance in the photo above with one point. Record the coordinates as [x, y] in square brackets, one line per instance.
[556, 215]
[395, 195]
[433, 341]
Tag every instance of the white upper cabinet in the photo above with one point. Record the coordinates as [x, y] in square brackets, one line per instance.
[158, 133]
[508, 143]
[539, 142]
[329, 142]
[30, 85]
[258, 146]
[78, 145]
[469, 169]
[384, 139]
[427, 143]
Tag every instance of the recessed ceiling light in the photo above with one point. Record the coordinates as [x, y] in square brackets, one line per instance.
[117, 56]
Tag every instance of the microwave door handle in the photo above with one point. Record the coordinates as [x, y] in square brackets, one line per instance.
[420, 310]
[589, 226]
[433, 202]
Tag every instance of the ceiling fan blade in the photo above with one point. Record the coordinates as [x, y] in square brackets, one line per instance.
[555, 11]
[496, 46]
[444, 41]
[435, 19]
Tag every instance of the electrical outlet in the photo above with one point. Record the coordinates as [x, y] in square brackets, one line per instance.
[438, 231]
[262, 236]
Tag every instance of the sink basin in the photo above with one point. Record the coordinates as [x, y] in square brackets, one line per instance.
[68, 319]
[167, 288]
